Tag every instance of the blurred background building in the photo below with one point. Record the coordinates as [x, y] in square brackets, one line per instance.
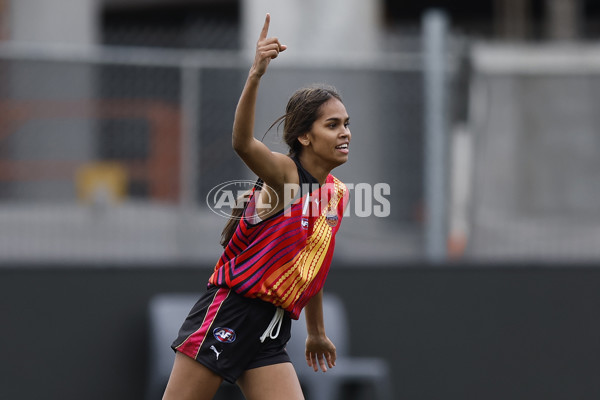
[116, 117]
[481, 116]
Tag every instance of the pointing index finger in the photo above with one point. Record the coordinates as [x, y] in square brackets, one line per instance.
[265, 29]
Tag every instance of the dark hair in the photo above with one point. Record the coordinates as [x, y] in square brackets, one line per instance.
[302, 110]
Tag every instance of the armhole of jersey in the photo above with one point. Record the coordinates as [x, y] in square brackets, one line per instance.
[304, 177]
[257, 189]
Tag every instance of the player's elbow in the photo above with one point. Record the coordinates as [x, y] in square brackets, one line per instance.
[241, 147]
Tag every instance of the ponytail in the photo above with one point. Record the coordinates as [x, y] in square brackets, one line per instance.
[234, 220]
[231, 226]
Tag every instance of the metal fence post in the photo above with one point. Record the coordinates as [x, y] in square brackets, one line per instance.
[190, 158]
[435, 30]
[190, 106]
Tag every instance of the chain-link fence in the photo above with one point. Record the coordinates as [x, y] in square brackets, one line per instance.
[109, 154]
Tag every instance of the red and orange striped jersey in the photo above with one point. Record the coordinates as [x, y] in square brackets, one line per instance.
[285, 258]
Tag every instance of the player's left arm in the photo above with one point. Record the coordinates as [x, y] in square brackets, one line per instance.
[320, 351]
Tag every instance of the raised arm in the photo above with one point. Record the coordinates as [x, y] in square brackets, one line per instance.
[320, 351]
[273, 168]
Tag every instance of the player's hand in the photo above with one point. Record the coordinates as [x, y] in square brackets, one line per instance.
[267, 48]
[320, 353]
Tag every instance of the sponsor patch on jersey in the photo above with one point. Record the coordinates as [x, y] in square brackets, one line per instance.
[224, 335]
[332, 219]
[304, 222]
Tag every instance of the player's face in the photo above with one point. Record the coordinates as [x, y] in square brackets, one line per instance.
[330, 135]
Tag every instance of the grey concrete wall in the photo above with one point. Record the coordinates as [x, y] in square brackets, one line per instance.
[535, 153]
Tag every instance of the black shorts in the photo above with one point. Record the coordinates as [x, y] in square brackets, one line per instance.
[223, 331]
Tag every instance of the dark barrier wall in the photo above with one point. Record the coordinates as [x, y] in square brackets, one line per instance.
[451, 332]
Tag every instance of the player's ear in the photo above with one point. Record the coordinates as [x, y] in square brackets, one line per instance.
[304, 140]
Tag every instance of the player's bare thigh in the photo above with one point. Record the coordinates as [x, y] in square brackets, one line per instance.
[191, 380]
[273, 382]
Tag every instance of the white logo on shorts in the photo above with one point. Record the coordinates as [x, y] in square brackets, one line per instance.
[213, 348]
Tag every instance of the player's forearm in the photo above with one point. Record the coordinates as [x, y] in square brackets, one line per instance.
[243, 124]
[314, 315]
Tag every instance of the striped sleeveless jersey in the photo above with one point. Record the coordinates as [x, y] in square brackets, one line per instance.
[285, 258]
